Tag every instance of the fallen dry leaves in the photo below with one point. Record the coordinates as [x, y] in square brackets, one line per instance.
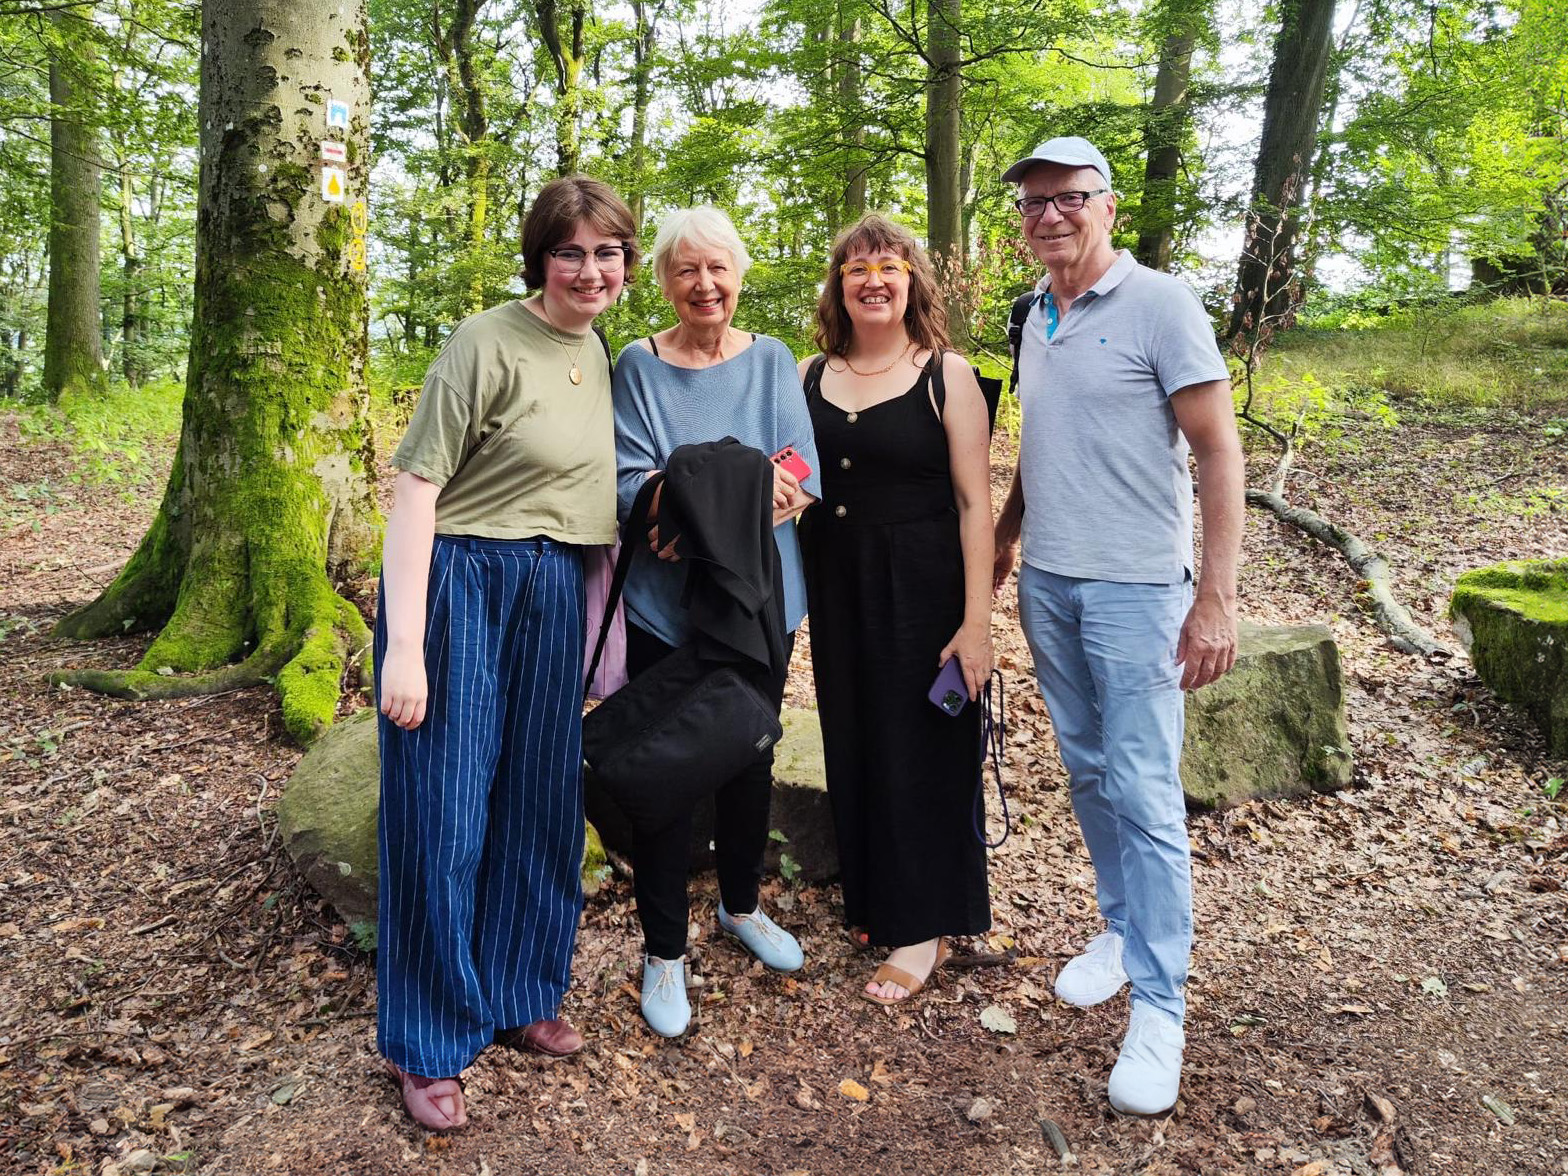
[172, 995]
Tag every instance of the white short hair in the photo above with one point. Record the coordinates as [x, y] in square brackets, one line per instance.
[704, 225]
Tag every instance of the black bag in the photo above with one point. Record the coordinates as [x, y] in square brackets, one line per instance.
[676, 732]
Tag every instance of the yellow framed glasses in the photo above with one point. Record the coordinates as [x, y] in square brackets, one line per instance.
[860, 270]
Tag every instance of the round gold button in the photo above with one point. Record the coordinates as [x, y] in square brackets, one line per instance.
[841, 511]
[852, 417]
[843, 463]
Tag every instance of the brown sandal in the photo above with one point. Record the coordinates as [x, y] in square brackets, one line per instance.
[911, 985]
[420, 1094]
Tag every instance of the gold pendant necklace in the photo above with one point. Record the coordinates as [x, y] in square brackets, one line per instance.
[897, 359]
[576, 373]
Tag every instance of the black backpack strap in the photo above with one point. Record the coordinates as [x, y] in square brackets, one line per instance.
[812, 384]
[636, 521]
[1023, 306]
[604, 341]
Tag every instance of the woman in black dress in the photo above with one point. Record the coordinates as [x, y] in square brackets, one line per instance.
[898, 564]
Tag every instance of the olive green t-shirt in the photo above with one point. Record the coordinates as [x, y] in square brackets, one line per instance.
[517, 449]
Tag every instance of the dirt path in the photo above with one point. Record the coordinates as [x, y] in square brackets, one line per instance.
[1369, 967]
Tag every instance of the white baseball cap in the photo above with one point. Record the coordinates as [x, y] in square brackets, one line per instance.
[1069, 150]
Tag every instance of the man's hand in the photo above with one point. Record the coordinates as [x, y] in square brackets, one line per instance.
[1006, 558]
[1206, 649]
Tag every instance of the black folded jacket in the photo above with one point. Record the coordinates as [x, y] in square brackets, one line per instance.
[718, 501]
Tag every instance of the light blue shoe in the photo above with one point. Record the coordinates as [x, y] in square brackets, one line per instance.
[764, 938]
[664, 1003]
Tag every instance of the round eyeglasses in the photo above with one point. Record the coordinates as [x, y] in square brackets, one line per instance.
[885, 270]
[571, 258]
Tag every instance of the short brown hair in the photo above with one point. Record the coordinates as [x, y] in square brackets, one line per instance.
[925, 318]
[555, 213]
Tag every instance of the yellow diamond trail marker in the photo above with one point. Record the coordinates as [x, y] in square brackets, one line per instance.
[334, 184]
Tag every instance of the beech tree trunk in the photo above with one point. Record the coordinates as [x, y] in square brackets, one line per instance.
[1164, 128]
[73, 334]
[456, 47]
[943, 198]
[566, 52]
[1291, 112]
[644, 45]
[849, 96]
[271, 486]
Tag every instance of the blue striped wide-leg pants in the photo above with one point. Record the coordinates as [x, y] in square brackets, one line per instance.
[481, 806]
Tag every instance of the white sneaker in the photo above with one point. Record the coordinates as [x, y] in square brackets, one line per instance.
[1094, 976]
[1147, 1073]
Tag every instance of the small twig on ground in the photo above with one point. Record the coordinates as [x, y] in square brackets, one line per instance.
[983, 959]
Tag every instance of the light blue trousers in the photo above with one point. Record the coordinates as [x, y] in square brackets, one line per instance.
[481, 806]
[1105, 657]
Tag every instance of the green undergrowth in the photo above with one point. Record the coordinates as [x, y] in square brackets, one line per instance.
[1509, 353]
[121, 437]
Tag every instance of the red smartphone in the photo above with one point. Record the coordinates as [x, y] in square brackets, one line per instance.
[791, 461]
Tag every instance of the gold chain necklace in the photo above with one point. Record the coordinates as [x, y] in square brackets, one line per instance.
[576, 374]
[897, 359]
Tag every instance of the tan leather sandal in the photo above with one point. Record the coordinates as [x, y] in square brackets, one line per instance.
[911, 985]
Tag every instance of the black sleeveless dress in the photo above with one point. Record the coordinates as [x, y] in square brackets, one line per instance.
[885, 593]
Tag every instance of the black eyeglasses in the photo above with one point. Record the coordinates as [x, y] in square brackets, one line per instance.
[1065, 202]
[571, 259]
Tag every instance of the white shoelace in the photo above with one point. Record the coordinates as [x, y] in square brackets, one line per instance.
[668, 969]
[769, 931]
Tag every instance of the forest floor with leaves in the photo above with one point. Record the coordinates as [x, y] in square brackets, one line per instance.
[1379, 983]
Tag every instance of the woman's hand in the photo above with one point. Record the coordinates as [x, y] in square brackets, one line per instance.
[971, 645]
[404, 690]
[665, 552]
[785, 487]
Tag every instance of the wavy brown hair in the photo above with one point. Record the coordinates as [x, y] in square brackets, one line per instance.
[925, 318]
[554, 216]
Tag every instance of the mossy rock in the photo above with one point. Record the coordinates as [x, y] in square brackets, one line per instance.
[1274, 726]
[1513, 618]
[328, 819]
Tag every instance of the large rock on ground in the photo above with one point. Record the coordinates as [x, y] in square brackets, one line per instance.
[328, 819]
[1513, 618]
[1274, 726]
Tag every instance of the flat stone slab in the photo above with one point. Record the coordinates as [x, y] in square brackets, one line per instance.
[1274, 726]
[1513, 619]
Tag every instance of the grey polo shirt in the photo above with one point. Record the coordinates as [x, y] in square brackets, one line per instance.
[1107, 495]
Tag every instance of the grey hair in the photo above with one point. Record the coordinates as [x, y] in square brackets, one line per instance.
[704, 225]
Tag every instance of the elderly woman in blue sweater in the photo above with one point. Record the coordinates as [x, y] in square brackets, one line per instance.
[697, 381]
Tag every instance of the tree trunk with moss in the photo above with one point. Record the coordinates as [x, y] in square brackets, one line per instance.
[73, 335]
[270, 494]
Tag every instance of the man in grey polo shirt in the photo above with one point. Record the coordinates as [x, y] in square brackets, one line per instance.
[1119, 374]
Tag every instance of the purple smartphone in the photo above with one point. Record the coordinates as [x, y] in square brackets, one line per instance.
[949, 692]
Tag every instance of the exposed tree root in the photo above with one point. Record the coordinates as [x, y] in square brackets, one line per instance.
[1391, 617]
